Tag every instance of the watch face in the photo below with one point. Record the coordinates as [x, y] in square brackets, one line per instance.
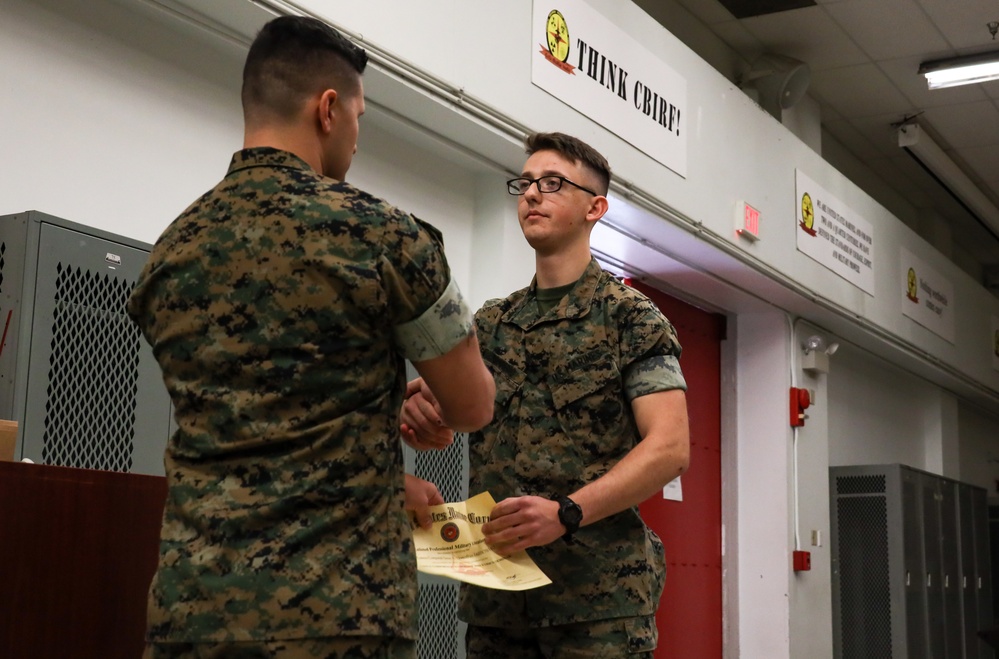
[569, 512]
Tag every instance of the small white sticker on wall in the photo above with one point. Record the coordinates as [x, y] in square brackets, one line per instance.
[673, 490]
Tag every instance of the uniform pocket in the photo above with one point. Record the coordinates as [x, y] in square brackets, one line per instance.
[582, 376]
[590, 405]
[509, 379]
[642, 634]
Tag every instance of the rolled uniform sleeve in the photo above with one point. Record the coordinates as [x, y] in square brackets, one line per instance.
[660, 373]
[439, 329]
[651, 352]
[431, 316]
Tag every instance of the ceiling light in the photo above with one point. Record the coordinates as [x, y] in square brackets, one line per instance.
[964, 70]
[930, 155]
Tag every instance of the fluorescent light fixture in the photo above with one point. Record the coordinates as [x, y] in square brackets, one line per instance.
[914, 139]
[964, 70]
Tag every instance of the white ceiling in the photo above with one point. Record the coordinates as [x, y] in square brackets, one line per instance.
[864, 56]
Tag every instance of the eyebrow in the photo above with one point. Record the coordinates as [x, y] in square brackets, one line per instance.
[547, 172]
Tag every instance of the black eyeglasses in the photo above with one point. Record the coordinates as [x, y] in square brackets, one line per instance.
[551, 183]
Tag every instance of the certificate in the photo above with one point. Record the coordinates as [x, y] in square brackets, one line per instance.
[455, 547]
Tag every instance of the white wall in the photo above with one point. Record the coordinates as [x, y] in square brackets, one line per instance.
[502, 260]
[764, 453]
[979, 448]
[117, 118]
[107, 123]
[100, 111]
[437, 191]
[811, 590]
[725, 132]
[883, 411]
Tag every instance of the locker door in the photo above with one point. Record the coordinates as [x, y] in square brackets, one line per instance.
[95, 396]
[13, 239]
[690, 612]
[936, 620]
[862, 520]
[916, 625]
[969, 574]
[950, 564]
[983, 567]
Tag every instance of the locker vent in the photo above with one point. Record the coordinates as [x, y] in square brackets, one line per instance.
[93, 374]
[860, 484]
[439, 601]
[438, 613]
[865, 598]
[3, 248]
[443, 468]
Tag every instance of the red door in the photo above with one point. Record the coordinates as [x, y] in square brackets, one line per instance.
[690, 612]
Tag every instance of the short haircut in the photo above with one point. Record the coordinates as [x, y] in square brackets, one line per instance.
[292, 58]
[574, 149]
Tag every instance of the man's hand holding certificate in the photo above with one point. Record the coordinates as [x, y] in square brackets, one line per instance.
[455, 547]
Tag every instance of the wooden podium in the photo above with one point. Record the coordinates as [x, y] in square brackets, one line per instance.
[78, 549]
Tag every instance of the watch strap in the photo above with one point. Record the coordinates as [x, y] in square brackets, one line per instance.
[570, 515]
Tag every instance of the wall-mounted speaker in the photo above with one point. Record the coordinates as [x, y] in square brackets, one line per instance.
[779, 82]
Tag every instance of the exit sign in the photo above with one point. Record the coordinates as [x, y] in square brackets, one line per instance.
[747, 221]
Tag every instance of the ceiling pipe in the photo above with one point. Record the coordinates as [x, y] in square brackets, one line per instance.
[914, 139]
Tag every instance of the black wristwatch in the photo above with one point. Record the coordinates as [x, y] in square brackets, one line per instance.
[570, 514]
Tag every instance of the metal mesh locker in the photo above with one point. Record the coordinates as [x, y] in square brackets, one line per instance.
[950, 564]
[74, 370]
[916, 633]
[863, 603]
[906, 546]
[969, 578]
[441, 633]
[932, 528]
[982, 579]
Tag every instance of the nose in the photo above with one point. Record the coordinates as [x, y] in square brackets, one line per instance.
[533, 191]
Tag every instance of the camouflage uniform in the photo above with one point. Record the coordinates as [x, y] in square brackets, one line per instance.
[564, 382]
[280, 307]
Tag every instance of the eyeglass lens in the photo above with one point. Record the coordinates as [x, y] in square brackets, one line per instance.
[545, 184]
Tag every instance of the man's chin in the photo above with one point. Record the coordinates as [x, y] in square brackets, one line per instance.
[542, 245]
[533, 239]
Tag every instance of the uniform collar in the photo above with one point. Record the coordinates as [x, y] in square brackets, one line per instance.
[266, 156]
[576, 304]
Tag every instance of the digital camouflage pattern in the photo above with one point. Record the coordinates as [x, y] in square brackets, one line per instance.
[564, 382]
[346, 647]
[637, 636]
[276, 306]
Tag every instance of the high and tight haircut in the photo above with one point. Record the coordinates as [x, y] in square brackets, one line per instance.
[574, 149]
[292, 58]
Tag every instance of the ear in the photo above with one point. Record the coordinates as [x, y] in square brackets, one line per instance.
[598, 207]
[326, 110]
